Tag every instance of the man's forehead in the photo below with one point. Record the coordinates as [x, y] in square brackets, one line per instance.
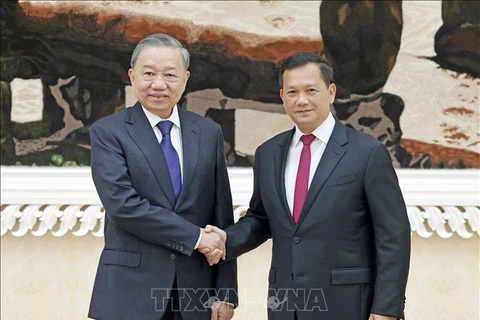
[302, 81]
[166, 65]
[303, 84]
[166, 52]
[306, 68]
[302, 76]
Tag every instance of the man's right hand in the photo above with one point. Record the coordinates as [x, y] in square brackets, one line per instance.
[217, 251]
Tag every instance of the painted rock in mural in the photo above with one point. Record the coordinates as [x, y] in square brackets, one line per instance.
[361, 40]
[379, 115]
[457, 42]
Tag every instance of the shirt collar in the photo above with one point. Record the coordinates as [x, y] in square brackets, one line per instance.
[153, 119]
[323, 132]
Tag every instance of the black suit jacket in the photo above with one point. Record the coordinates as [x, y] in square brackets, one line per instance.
[348, 255]
[150, 237]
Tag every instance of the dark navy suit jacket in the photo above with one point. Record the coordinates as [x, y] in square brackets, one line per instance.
[150, 237]
[349, 253]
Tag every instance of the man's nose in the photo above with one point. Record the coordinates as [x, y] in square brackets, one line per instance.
[159, 83]
[302, 99]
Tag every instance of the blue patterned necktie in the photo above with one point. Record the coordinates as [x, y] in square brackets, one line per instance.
[171, 156]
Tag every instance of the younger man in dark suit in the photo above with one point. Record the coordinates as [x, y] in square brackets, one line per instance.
[329, 198]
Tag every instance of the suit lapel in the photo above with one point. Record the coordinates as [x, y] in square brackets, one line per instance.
[190, 145]
[280, 161]
[330, 158]
[141, 132]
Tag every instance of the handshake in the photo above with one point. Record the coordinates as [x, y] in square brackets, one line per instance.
[212, 244]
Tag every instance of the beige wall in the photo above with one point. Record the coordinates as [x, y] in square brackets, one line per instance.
[48, 278]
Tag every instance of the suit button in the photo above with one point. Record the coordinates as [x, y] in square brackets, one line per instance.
[177, 247]
[169, 244]
[181, 248]
[173, 256]
[296, 240]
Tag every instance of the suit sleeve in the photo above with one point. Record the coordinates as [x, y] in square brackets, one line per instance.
[253, 229]
[392, 234]
[225, 273]
[123, 206]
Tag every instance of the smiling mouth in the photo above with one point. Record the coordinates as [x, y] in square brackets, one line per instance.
[302, 111]
[158, 96]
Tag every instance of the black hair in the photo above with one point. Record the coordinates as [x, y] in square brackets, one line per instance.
[300, 59]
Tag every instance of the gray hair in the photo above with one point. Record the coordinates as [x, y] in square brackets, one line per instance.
[160, 40]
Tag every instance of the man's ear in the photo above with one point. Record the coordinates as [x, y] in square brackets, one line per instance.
[131, 75]
[332, 89]
[187, 76]
[281, 97]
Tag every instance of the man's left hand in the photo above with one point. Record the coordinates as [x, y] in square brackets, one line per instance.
[222, 311]
[380, 317]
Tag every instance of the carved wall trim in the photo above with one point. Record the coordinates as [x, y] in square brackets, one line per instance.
[81, 220]
[41, 200]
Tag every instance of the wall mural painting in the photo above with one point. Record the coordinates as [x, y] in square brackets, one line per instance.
[407, 72]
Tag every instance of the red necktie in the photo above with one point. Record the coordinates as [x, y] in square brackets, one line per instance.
[301, 184]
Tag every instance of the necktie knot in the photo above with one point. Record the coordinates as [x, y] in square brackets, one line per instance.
[307, 139]
[165, 127]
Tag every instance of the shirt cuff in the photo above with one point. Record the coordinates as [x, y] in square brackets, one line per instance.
[229, 303]
[198, 241]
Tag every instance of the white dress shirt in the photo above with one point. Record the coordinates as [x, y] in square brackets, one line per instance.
[175, 133]
[322, 134]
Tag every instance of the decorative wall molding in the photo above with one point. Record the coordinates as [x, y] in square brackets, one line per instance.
[41, 200]
[81, 220]
[55, 219]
